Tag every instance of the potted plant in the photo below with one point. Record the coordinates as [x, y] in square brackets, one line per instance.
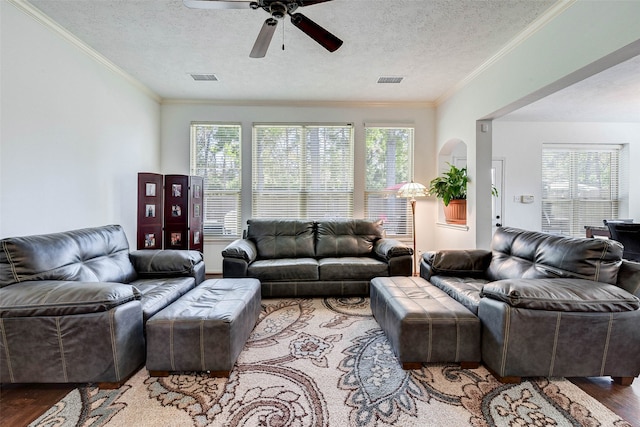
[451, 187]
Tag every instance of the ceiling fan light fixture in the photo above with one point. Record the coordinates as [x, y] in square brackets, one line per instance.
[278, 10]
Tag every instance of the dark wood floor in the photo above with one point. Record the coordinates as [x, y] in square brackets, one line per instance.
[22, 404]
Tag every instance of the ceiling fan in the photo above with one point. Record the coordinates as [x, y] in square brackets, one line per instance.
[277, 9]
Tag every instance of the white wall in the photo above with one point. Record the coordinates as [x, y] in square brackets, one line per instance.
[521, 145]
[177, 117]
[560, 51]
[74, 134]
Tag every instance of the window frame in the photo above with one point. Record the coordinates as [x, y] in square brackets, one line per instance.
[306, 194]
[401, 204]
[229, 226]
[569, 205]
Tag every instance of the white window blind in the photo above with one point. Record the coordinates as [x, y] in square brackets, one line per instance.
[215, 155]
[580, 187]
[302, 171]
[389, 160]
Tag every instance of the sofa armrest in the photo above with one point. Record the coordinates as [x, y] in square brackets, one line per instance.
[243, 249]
[455, 262]
[391, 248]
[629, 277]
[168, 263]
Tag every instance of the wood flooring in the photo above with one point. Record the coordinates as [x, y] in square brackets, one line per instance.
[22, 404]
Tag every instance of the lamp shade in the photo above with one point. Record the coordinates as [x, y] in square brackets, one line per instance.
[412, 190]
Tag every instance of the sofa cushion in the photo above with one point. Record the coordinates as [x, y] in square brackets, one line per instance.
[99, 254]
[48, 298]
[530, 255]
[158, 293]
[352, 268]
[351, 237]
[561, 295]
[281, 238]
[465, 290]
[285, 269]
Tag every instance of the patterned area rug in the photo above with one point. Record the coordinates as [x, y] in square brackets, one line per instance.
[325, 362]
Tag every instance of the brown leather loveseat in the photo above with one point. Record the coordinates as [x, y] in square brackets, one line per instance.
[549, 305]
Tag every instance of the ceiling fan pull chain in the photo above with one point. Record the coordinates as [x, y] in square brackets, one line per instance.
[283, 24]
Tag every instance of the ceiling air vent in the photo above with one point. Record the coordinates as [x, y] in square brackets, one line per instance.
[205, 77]
[390, 79]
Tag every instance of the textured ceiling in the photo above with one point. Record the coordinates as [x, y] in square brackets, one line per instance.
[432, 44]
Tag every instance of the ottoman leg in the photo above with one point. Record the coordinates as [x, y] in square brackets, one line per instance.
[410, 366]
[158, 373]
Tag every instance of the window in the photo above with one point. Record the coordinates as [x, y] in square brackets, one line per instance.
[302, 171]
[579, 187]
[389, 154]
[215, 155]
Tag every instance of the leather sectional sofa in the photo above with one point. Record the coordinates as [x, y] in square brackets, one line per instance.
[73, 305]
[549, 305]
[315, 258]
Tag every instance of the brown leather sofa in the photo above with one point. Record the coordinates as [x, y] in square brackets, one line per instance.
[549, 305]
[73, 304]
[315, 258]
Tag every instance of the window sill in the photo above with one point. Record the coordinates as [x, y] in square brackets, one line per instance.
[459, 227]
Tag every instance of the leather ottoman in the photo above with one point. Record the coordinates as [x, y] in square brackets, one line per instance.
[205, 329]
[424, 324]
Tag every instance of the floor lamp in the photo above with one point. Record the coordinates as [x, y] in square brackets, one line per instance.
[410, 191]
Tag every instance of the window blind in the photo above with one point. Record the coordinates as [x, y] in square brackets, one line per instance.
[302, 171]
[215, 155]
[580, 187]
[389, 160]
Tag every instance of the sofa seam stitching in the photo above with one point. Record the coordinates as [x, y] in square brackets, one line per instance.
[61, 349]
[556, 334]
[171, 356]
[606, 345]
[114, 347]
[6, 349]
[202, 363]
[506, 341]
[10, 260]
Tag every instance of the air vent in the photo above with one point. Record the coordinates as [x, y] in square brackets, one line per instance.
[205, 77]
[390, 79]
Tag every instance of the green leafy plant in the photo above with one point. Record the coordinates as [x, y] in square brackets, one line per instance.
[451, 185]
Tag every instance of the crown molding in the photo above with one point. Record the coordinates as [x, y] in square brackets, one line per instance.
[533, 28]
[44, 20]
[294, 103]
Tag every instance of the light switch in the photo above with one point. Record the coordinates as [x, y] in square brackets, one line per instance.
[526, 198]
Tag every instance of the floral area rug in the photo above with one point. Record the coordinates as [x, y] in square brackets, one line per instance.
[325, 362]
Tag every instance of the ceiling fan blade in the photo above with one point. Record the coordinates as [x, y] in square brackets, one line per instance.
[311, 2]
[217, 4]
[264, 38]
[316, 32]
